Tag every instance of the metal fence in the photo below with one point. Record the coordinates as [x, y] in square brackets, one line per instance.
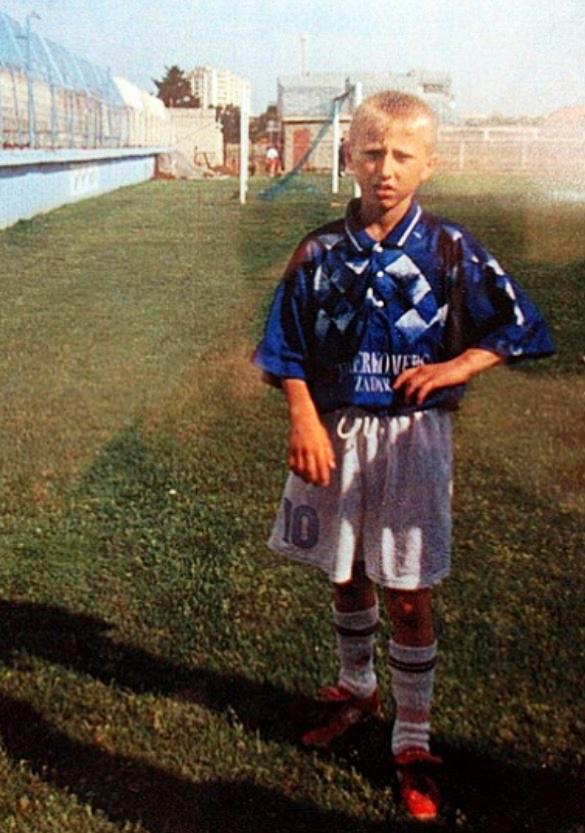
[547, 149]
[552, 149]
[51, 98]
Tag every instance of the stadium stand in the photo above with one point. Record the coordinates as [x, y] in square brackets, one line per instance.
[51, 98]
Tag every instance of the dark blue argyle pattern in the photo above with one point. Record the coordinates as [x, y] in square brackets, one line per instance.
[425, 293]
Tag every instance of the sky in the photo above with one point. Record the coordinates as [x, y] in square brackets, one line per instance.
[511, 57]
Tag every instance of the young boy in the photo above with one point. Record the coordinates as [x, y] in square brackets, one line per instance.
[379, 322]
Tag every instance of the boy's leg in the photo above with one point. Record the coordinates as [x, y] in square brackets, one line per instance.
[412, 654]
[355, 696]
[355, 616]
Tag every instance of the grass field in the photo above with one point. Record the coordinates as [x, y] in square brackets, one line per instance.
[157, 662]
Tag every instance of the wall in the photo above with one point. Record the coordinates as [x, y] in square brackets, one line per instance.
[298, 135]
[32, 182]
[198, 135]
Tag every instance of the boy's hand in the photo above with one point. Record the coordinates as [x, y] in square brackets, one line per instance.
[417, 383]
[310, 454]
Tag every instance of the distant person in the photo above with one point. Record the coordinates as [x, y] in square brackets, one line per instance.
[272, 161]
[341, 157]
[381, 319]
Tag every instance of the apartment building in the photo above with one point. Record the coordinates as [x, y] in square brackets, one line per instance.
[217, 87]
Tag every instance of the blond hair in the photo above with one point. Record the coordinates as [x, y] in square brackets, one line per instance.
[388, 105]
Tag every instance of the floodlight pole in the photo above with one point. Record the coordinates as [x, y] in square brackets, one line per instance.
[304, 38]
[358, 94]
[244, 144]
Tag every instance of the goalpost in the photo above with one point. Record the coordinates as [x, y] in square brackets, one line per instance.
[244, 144]
[358, 95]
[336, 143]
[353, 91]
[356, 92]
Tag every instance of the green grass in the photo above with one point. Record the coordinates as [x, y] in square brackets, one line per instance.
[157, 661]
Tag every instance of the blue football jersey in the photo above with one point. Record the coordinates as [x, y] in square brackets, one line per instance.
[351, 313]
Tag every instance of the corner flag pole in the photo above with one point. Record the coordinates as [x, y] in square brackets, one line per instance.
[244, 144]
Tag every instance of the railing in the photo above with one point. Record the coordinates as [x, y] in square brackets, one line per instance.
[547, 149]
[554, 149]
[37, 115]
[53, 99]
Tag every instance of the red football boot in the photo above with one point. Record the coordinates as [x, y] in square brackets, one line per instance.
[350, 711]
[418, 791]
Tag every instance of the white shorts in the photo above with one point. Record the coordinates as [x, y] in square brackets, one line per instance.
[388, 503]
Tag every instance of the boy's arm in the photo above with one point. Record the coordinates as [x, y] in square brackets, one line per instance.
[418, 382]
[310, 454]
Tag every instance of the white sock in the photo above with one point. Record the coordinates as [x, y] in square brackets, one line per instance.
[355, 644]
[413, 671]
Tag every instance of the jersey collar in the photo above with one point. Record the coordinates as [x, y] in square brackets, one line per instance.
[397, 238]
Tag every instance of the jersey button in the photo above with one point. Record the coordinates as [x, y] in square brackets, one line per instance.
[379, 273]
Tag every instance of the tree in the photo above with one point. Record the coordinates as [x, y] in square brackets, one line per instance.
[266, 126]
[229, 118]
[175, 90]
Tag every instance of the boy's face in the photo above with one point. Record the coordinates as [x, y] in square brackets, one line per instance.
[390, 158]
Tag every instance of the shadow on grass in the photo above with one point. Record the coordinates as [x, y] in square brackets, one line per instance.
[130, 790]
[488, 794]
[82, 643]
[481, 793]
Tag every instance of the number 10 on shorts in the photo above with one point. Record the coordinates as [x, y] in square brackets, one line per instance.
[301, 525]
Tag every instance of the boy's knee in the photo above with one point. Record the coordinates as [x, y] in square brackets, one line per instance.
[357, 594]
[409, 609]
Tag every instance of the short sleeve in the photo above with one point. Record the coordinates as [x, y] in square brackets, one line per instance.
[494, 312]
[282, 352]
